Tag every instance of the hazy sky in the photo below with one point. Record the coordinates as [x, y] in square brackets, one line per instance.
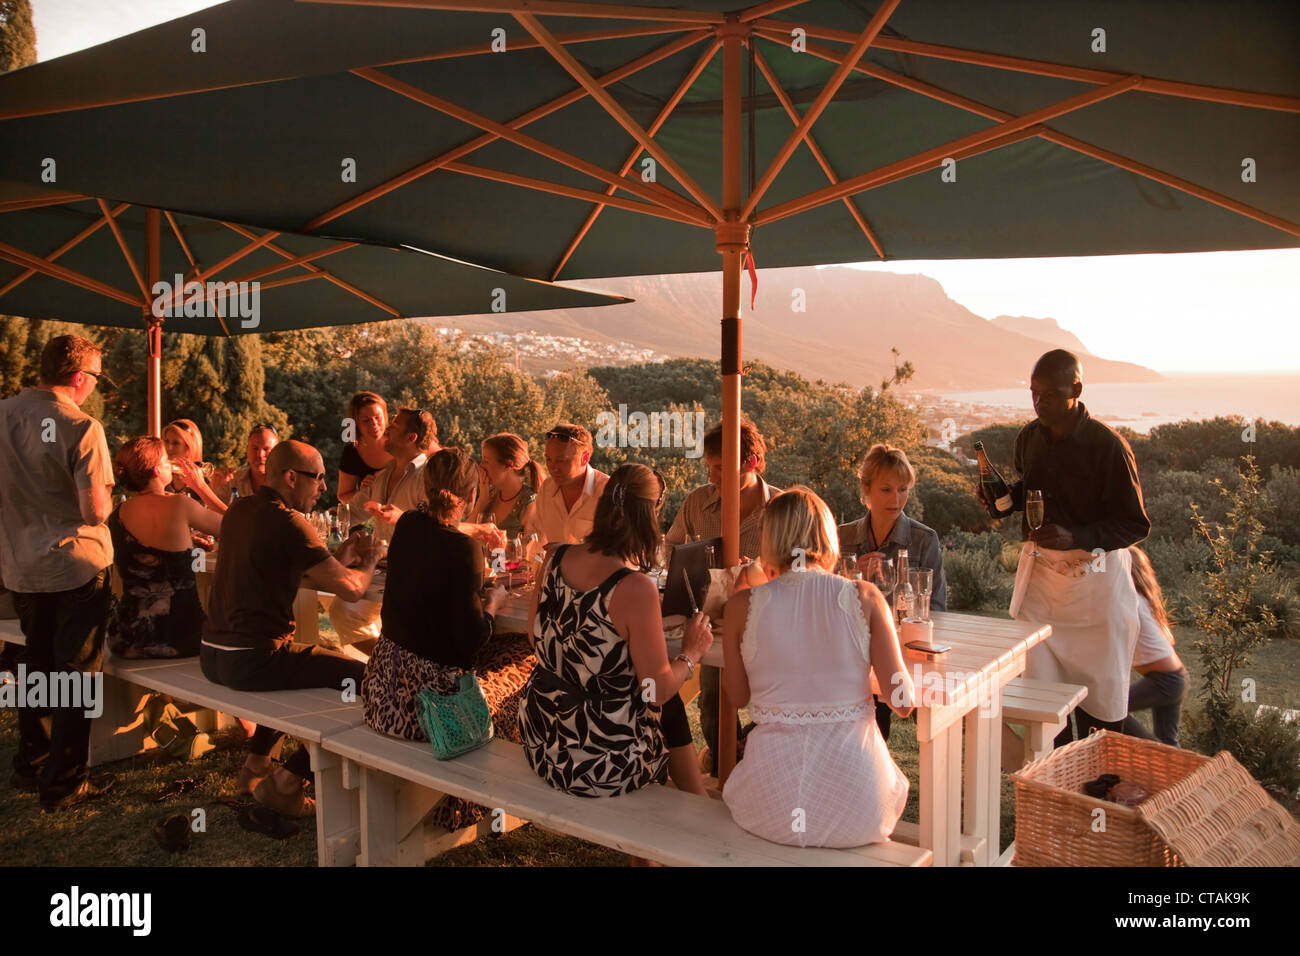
[1226, 311]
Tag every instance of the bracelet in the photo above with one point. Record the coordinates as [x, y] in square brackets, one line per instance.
[690, 664]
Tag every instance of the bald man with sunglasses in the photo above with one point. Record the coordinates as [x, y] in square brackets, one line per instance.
[268, 551]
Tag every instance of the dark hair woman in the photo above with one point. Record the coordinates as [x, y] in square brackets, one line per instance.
[158, 613]
[364, 456]
[591, 719]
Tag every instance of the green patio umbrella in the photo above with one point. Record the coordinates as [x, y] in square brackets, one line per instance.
[109, 263]
[564, 139]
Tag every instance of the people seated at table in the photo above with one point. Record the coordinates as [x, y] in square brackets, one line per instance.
[566, 504]
[183, 443]
[799, 652]
[396, 488]
[269, 550]
[513, 481]
[365, 456]
[600, 715]
[700, 516]
[247, 480]
[158, 612]
[1164, 680]
[435, 574]
[886, 480]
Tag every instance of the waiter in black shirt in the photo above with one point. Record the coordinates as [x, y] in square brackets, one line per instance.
[1079, 582]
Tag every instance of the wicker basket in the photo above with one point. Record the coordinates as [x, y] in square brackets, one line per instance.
[1202, 811]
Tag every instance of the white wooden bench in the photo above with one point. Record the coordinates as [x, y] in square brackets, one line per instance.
[1042, 708]
[400, 781]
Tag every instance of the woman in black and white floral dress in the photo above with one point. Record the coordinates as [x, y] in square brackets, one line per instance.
[589, 719]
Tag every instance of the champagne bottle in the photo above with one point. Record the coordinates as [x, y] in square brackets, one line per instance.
[997, 493]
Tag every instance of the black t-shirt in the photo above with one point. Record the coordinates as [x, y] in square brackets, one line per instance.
[351, 463]
[432, 597]
[266, 548]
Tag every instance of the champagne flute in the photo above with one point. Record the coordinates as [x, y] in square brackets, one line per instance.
[1034, 514]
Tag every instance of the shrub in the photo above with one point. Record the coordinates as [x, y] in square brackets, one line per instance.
[976, 580]
[1179, 567]
[1276, 599]
[1268, 746]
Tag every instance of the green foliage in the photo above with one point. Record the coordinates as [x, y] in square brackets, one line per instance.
[1184, 446]
[976, 579]
[1267, 745]
[1232, 624]
[999, 444]
[1282, 506]
[17, 35]
[948, 497]
[1180, 567]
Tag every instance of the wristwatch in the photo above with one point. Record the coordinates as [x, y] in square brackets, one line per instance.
[690, 664]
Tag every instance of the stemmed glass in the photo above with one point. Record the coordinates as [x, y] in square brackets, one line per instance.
[922, 580]
[849, 568]
[1034, 515]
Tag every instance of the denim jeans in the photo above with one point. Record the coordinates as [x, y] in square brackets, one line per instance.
[1163, 692]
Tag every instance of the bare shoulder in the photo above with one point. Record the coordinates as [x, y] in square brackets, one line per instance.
[738, 603]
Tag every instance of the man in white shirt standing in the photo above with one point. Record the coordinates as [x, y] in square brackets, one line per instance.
[566, 506]
[55, 546]
[412, 436]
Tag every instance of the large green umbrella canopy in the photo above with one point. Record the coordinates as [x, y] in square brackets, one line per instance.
[575, 139]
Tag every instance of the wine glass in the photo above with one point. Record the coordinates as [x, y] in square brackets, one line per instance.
[1034, 515]
[849, 568]
[922, 580]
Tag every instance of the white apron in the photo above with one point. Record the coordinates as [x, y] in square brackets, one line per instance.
[1092, 605]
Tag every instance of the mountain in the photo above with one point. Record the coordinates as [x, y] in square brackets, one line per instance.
[1047, 330]
[851, 319]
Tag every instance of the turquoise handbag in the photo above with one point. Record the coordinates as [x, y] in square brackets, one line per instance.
[456, 723]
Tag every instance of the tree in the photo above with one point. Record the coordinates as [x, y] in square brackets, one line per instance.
[999, 444]
[1231, 623]
[17, 35]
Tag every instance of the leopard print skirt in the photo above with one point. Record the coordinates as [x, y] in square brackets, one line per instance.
[395, 676]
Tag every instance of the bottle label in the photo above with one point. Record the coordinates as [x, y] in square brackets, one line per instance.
[1004, 504]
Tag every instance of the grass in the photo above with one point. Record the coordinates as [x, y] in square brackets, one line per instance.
[117, 828]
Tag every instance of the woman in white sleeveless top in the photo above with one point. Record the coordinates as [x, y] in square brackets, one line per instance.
[799, 651]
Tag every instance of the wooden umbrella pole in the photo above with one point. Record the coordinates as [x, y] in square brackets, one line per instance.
[732, 240]
[153, 324]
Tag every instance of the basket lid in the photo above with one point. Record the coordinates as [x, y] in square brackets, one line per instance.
[1219, 816]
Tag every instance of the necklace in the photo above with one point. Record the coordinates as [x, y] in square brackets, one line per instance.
[502, 498]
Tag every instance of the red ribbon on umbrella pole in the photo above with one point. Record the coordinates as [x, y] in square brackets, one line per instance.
[753, 278]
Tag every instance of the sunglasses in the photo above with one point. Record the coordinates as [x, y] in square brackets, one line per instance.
[310, 474]
[564, 434]
[257, 428]
[99, 377]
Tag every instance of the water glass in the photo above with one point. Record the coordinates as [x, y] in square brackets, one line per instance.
[883, 577]
[922, 580]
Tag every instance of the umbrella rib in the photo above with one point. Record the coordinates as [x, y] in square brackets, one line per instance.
[660, 197]
[325, 273]
[545, 8]
[292, 262]
[126, 251]
[1195, 91]
[572, 192]
[29, 261]
[654, 128]
[54, 199]
[202, 275]
[518, 122]
[90, 230]
[850, 59]
[1061, 139]
[176, 231]
[822, 161]
[615, 110]
[772, 6]
[587, 36]
[925, 159]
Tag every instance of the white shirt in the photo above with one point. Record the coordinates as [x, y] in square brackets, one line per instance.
[1153, 642]
[406, 492]
[560, 525]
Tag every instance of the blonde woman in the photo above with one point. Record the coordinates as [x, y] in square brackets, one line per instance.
[799, 652]
[513, 480]
[183, 444]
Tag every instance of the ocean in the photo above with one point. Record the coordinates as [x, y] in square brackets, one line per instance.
[1181, 396]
